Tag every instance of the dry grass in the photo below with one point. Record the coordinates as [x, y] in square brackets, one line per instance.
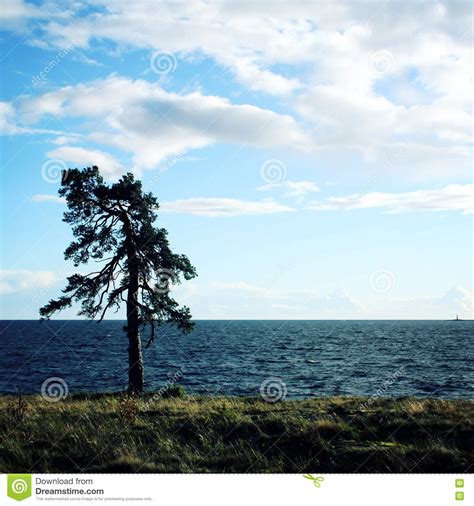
[113, 433]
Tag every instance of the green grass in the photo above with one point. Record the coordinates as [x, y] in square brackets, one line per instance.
[113, 433]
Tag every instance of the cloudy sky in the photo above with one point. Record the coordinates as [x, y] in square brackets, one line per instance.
[313, 159]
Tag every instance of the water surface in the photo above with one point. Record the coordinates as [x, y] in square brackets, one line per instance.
[312, 358]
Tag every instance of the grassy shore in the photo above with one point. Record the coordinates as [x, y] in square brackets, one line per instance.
[113, 433]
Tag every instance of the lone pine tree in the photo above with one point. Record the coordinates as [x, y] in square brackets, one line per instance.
[114, 226]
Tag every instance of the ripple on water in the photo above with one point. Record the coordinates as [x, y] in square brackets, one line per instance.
[233, 358]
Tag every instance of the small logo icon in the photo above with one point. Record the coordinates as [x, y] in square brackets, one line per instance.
[459, 496]
[273, 389]
[315, 479]
[19, 486]
[459, 483]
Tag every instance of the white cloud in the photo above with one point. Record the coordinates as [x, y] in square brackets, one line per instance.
[459, 300]
[152, 124]
[9, 123]
[336, 38]
[41, 197]
[454, 197]
[320, 56]
[222, 207]
[65, 139]
[108, 165]
[7, 118]
[437, 133]
[15, 10]
[245, 300]
[248, 289]
[293, 188]
[255, 77]
[456, 301]
[349, 119]
[12, 281]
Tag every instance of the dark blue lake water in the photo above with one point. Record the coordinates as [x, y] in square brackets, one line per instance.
[312, 358]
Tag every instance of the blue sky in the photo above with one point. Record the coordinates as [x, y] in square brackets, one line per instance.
[313, 160]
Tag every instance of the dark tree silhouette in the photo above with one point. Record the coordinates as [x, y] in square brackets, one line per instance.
[114, 225]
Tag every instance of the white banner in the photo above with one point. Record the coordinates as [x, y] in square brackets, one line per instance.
[239, 489]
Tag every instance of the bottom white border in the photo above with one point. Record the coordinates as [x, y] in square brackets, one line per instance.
[250, 489]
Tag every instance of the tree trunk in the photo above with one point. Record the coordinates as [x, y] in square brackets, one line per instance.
[136, 377]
